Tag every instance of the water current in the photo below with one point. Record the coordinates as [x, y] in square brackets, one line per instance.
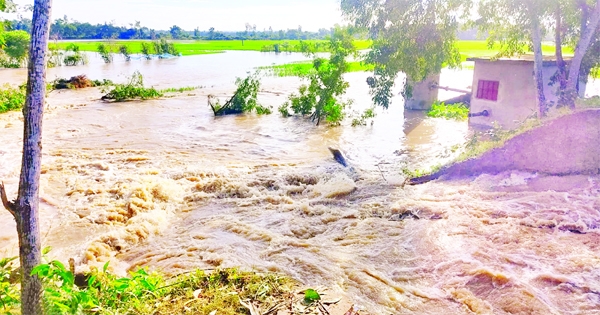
[164, 184]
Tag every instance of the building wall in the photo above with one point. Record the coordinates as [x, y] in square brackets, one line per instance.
[423, 95]
[516, 93]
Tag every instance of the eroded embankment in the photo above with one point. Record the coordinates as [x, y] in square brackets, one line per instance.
[568, 145]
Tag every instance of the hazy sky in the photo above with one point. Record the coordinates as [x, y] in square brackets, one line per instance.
[224, 15]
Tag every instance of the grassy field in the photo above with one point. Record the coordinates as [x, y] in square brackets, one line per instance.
[202, 46]
[476, 48]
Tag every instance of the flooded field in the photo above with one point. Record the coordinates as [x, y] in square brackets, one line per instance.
[164, 184]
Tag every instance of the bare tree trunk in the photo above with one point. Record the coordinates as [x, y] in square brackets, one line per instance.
[25, 208]
[584, 42]
[537, 67]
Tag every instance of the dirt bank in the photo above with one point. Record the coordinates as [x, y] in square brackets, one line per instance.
[568, 145]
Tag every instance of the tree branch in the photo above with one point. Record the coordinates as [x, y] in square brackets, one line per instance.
[7, 204]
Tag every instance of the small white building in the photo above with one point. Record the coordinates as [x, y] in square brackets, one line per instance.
[504, 91]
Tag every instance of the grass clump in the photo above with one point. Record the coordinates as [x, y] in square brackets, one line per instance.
[11, 98]
[458, 111]
[305, 68]
[144, 292]
[179, 90]
[132, 90]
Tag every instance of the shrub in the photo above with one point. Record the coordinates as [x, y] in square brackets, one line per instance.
[11, 98]
[105, 52]
[134, 89]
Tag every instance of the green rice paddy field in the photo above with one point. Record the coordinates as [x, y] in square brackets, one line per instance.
[466, 48]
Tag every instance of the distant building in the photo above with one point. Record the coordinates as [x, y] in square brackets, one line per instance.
[504, 90]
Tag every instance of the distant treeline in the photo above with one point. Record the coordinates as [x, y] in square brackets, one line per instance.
[63, 28]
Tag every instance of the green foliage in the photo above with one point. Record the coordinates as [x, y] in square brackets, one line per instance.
[179, 90]
[458, 111]
[163, 47]
[311, 296]
[11, 98]
[9, 294]
[243, 100]
[411, 36]
[124, 50]
[369, 113]
[320, 98]
[134, 89]
[143, 292]
[74, 56]
[105, 52]
[16, 45]
[415, 173]
[146, 50]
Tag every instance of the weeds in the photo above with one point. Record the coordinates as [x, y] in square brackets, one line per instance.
[134, 89]
[144, 292]
[9, 293]
[458, 111]
[179, 90]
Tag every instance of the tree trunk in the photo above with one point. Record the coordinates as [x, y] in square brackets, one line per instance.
[25, 208]
[582, 46]
[560, 62]
[537, 67]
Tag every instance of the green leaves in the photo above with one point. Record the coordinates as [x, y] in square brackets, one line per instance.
[311, 296]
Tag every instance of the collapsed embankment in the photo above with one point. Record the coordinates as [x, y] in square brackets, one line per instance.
[567, 145]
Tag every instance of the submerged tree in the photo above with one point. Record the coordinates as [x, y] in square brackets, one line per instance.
[412, 36]
[320, 98]
[25, 209]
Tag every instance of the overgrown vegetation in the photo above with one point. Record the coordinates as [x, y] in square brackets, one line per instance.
[132, 90]
[11, 98]
[458, 111]
[73, 56]
[243, 100]
[319, 100]
[141, 292]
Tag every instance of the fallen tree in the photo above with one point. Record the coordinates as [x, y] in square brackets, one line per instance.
[243, 100]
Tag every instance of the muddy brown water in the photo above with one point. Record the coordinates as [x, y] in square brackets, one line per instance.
[163, 184]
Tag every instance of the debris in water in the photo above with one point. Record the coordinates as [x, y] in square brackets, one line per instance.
[338, 156]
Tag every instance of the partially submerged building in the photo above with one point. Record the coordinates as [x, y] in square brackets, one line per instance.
[504, 90]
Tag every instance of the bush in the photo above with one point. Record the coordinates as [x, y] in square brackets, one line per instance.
[16, 45]
[458, 111]
[134, 89]
[105, 52]
[11, 98]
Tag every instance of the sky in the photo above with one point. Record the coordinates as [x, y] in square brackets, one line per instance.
[223, 15]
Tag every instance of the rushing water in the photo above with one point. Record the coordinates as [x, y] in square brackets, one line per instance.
[164, 184]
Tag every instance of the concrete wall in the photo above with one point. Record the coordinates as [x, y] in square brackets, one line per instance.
[423, 96]
[516, 92]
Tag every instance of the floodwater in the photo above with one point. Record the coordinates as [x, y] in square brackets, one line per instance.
[164, 184]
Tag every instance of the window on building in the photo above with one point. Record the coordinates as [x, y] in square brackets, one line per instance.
[487, 90]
